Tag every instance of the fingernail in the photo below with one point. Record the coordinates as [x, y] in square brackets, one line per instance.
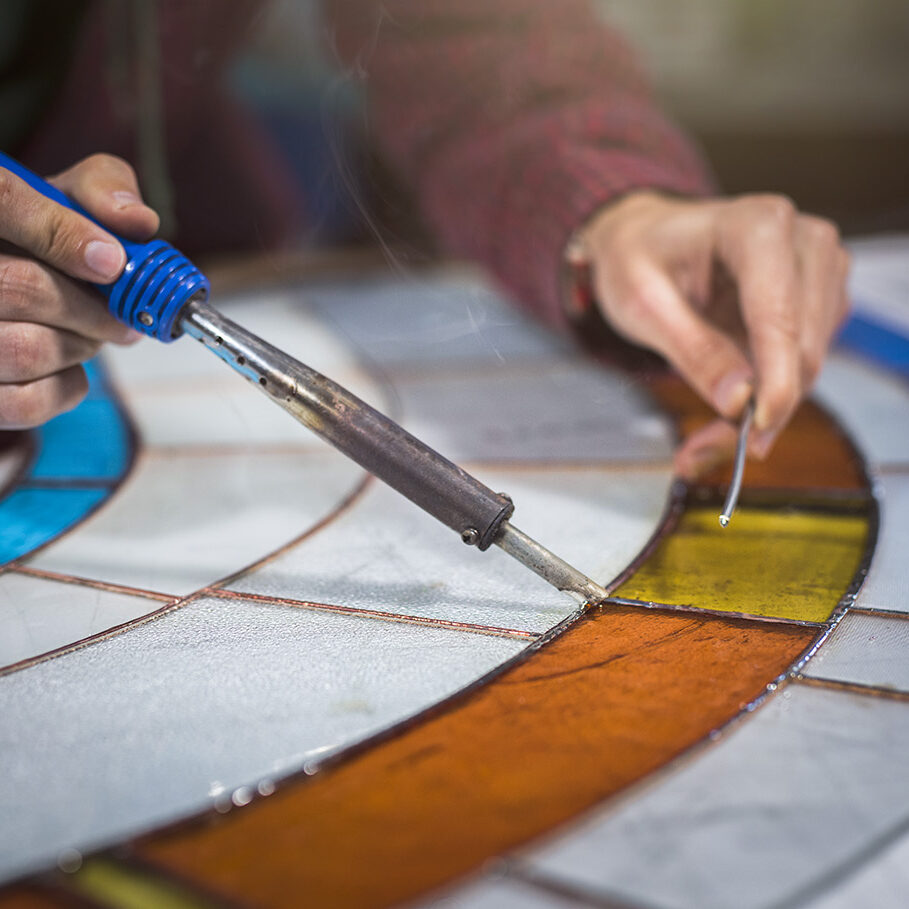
[732, 392]
[125, 198]
[694, 464]
[104, 259]
[130, 336]
[761, 443]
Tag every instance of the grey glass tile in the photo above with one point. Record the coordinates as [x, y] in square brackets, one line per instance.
[230, 412]
[887, 584]
[873, 406]
[37, 615]
[497, 893]
[181, 394]
[280, 317]
[880, 883]
[387, 555]
[154, 723]
[865, 649]
[427, 317]
[805, 784]
[180, 523]
[556, 411]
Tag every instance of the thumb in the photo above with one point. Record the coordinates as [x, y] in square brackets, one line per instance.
[56, 235]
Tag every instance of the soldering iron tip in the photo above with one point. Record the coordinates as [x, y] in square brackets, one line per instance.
[724, 520]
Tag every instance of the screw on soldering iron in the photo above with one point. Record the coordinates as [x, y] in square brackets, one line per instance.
[738, 470]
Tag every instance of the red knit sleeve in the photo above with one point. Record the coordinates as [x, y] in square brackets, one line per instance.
[513, 121]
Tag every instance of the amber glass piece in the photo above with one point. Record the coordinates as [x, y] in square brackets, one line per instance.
[616, 697]
[26, 896]
[812, 453]
[774, 563]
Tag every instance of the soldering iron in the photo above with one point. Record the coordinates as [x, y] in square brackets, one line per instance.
[163, 295]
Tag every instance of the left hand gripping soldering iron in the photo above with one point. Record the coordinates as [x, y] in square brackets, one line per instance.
[162, 294]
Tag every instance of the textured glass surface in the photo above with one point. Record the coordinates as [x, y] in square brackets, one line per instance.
[156, 722]
[881, 883]
[808, 783]
[873, 405]
[793, 565]
[868, 650]
[183, 521]
[421, 319]
[497, 893]
[560, 411]
[386, 554]
[887, 585]
[37, 615]
[181, 394]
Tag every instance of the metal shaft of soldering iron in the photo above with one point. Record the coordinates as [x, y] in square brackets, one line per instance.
[382, 447]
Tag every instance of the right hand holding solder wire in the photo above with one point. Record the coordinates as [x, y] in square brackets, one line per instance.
[741, 295]
[49, 323]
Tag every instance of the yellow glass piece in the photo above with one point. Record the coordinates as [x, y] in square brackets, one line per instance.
[778, 564]
[110, 883]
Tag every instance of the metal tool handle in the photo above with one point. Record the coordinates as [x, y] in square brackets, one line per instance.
[157, 281]
[375, 442]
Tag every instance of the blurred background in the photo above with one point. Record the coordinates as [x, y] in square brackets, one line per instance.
[804, 97]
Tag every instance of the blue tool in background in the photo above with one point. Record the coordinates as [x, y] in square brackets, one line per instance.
[162, 294]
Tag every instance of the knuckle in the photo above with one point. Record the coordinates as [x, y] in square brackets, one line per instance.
[772, 209]
[821, 231]
[23, 351]
[110, 164]
[23, 283]
[60, 236]
[779, 324]
[25, 406]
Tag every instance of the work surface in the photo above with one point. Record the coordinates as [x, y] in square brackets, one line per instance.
[209, 617]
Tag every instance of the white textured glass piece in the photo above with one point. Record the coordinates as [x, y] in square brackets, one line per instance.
[808, 782]
[183, 521]
[37, 615]
[497, 893]
[387, 555]
[181, 394]
[424, 318]
[879, 279]
[154, 723]
[887, 584]
[872, 405]
[867, 650]
[881, 882]
[557, 411]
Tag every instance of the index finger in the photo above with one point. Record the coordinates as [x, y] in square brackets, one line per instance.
[756, 242]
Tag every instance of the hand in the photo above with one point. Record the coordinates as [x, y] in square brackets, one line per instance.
[49, 323]
[740, 295]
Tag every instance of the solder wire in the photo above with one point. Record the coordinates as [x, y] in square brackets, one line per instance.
[738, 470]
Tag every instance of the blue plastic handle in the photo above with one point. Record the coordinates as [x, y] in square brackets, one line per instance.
[156, 283]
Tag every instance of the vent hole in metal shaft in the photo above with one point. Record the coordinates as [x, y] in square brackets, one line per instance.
[241, 361]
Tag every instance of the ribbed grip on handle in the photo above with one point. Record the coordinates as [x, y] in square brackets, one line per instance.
[157, 282]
